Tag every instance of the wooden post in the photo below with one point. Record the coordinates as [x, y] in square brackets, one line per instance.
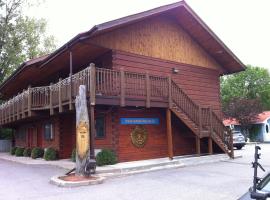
[123, 86]
[211, 121]
[198, 146]
[23, 99]
[92, 108]
[169, 133]
[200, 121]
[29, 101]
[148, 90]
[18, 109]
[92, 84]
[170, 91]
[51, 100]
[70, 76]
[210, 145]
[60, 106]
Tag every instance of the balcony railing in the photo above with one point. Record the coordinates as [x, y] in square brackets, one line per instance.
[121, 85]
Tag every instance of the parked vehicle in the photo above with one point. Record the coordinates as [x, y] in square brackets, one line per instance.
[238, 140]
[261, 187]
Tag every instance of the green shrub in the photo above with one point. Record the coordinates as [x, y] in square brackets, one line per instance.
[73, 155]
[12, 150]
[50, 154]
[106, 157]
[19, 151]
[37, 152]
[27, 152]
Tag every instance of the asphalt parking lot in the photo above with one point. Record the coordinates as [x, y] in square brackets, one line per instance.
[222, 180]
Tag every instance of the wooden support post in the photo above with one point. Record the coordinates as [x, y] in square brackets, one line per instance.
[92, 108]
[169, 133]
[198, 146]
[170, 91]
[23, 99]
[51, 100]
[92, 132]
[123, 86]
[18, 110]
[200, 121]
[210, 145]
[70, 76]
[148, 90]
[60, 106]
[211, 122]
[29, 101]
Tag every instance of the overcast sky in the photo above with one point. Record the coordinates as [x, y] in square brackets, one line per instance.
[243, 25]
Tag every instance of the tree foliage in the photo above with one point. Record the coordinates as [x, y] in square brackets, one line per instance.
[244, 110]
[21, 37]
[253, 83]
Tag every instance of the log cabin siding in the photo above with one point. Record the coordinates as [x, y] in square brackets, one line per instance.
[159, 37]
[201, 84]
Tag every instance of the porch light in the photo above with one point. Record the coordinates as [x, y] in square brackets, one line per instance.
[175, 70]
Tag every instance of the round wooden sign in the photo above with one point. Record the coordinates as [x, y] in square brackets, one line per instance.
[139, 136]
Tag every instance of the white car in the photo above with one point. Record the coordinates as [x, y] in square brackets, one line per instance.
[238, 140]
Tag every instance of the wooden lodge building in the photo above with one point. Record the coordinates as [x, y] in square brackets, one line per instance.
[152, 80]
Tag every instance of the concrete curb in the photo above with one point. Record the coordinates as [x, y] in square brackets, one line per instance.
[55, 180]
[129, 168]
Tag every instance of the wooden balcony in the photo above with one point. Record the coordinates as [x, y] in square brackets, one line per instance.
[122, 88]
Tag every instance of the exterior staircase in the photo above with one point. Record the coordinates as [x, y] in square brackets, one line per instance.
[203, 121]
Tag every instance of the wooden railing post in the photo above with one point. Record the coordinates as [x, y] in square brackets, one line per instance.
[210, 140]
[122, 87]
[170, 91]
[23, 99]
[92, 84]
[18, 108]
[200, 121]
[169, 133]
[70, 92]
[60, 96]
[29, 101]
[148, 90]
[51, 100]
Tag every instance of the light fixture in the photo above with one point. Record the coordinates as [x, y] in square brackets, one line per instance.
[175, 70]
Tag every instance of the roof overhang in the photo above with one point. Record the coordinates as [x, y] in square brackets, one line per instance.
[186, 17]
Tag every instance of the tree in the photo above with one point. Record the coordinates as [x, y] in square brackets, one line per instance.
[253, 83]
[244, 111]
[21, 37]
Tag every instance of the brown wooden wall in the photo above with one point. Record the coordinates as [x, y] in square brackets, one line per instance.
[37, 129]
[201, 84]
[159, 37]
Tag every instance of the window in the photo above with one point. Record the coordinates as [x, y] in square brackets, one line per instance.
[48, 131]
[22, 133]
[100, 127]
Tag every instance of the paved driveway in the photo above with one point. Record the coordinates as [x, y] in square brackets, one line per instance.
[222, 180]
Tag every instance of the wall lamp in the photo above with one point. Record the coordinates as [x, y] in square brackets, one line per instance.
[175, 70]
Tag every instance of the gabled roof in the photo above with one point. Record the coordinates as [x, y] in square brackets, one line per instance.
[260, 118]
[186, 17]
